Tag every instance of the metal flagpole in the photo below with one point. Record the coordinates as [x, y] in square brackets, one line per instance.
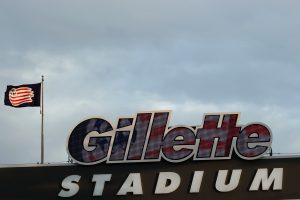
[42, 125]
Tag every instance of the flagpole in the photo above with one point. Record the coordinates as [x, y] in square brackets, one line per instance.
[42, 125]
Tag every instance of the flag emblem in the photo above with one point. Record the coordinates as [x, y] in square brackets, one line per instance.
[18, 96]
[28, 95]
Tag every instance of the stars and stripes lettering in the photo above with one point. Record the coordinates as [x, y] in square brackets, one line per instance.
[147, 137]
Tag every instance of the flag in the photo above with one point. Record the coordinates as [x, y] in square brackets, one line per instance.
[28, 95]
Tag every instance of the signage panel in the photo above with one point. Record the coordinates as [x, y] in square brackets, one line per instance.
[142, 157]
[275, 178]
[147, 137]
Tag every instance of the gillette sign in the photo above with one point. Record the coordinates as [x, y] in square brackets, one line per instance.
[147, 137]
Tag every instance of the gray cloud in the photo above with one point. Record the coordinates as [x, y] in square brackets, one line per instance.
[113, 58]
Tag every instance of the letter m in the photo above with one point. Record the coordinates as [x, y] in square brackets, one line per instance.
[262, 178]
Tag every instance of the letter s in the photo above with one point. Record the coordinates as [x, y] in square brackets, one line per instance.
[69, 187]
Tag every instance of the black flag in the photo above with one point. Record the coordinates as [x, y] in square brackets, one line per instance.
[28, 95]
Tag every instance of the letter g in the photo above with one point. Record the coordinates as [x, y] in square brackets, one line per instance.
[88, 143]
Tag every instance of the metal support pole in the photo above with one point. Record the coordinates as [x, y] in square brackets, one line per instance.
[42, 124]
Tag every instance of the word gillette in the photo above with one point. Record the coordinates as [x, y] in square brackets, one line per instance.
[146, 137]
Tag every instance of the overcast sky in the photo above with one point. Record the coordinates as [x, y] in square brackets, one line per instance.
[113, 58]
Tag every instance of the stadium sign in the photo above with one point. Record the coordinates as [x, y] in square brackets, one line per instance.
[147, 137]
[274, 178]
[143, 157]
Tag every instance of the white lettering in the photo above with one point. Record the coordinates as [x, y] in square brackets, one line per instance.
[221, 185]
[70, 186]
[100, 180]
[132, 184]
[261, 178]
[163, 177]
[196, 183]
